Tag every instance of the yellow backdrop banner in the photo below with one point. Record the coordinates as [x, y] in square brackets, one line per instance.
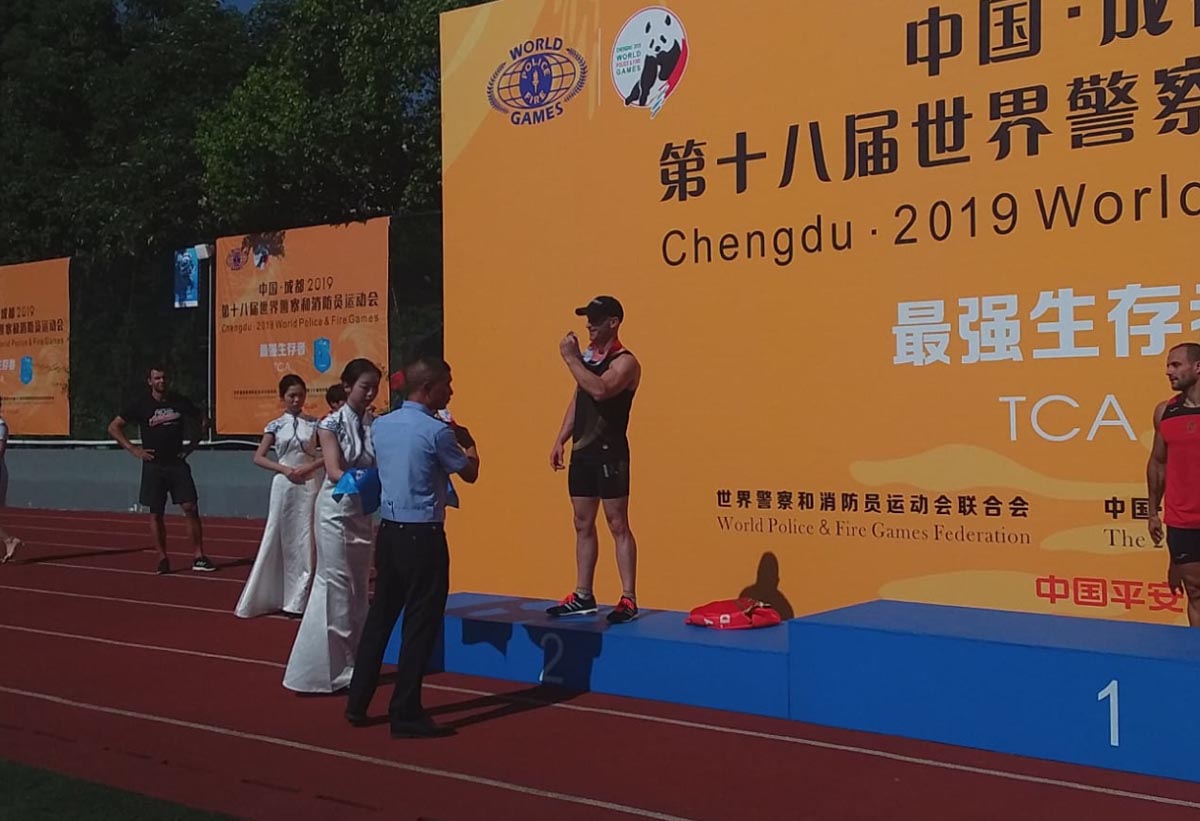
[35, 351]
[902, 277]
[303, 301]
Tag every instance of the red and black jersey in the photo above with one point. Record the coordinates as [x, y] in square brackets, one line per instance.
[600, 426]
[1180, 430]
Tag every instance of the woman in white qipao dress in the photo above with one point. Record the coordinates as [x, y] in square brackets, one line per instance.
[282, 572]
[322, 659]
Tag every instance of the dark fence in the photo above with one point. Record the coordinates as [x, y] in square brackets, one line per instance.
[120, 326]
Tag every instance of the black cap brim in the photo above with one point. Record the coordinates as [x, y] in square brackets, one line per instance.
[602, 307]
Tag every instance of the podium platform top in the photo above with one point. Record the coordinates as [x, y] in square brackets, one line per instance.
[1167, 642]
[654, 625]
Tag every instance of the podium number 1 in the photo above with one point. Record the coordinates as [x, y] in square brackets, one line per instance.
[1114, 714]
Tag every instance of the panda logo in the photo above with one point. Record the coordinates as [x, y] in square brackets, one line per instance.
[649, 58]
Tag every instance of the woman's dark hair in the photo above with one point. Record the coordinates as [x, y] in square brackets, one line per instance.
[356, 369]
[335, 394]
[288, 381]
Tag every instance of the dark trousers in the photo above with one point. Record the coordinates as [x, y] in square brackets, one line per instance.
[412, 574]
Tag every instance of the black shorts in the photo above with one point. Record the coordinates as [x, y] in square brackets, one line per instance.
[160, 479]
[608, 479]
[1183, 544]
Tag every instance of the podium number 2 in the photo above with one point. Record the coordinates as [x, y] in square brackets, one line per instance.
[552, 662]
[1114, 713]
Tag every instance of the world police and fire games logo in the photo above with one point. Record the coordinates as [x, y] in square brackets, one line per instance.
[649, 57]
[538, 79]
[236, 259]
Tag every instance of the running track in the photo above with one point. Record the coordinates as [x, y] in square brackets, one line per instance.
[149, 683]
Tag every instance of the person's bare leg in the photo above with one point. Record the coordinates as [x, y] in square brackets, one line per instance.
[616, 511]
[1190, 573]
[11, 543]
[587, 545]
[158, 530]
[195, 528]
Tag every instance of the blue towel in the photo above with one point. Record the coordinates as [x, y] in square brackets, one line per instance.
[364, 482]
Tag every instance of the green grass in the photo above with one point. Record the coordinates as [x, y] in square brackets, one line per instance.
[29, 794]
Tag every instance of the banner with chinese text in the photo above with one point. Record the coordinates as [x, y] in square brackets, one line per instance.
[35, 352]
[902, 277]
[303, 301]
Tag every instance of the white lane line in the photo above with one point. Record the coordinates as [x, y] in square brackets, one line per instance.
[175, 574]
[13, 514]
[115, 643]
[349, 756]
[97, 551]
[95, 597]
[716, 728]
[21, 526]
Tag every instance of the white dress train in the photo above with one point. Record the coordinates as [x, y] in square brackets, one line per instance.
[282, 572]
[322, 659]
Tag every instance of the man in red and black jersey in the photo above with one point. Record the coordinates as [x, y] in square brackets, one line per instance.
[1173, 475]
[606, 377]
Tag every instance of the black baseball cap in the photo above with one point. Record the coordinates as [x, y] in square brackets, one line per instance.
[602, 307]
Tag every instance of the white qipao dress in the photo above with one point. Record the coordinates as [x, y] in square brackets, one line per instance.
[322, 659]
[282, 572]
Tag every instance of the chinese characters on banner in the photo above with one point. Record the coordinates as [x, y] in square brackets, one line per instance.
[902, 276]
[1103, 593]
[828, 501]
[303, 301]
[870, 142]
[1144, 320]
[35, 354]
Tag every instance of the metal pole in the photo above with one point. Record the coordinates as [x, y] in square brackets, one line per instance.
[212, 288]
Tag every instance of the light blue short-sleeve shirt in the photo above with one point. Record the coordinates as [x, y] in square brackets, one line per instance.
[415, 452]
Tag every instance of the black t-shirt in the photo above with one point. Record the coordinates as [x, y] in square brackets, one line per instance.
[164, 425]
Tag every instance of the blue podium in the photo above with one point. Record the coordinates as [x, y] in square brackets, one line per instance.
[655, 657]
[1085, 691]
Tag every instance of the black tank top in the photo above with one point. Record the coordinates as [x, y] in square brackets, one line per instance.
[600, 426]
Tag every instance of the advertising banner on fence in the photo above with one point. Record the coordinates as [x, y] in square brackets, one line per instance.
[187, 276]
[303, 301]
[902, 277]
[35, 351]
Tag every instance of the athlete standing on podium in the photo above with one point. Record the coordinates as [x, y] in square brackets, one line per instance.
[1173, 475]
[606, 377]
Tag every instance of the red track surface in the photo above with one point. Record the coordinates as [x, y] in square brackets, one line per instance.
[151, 684]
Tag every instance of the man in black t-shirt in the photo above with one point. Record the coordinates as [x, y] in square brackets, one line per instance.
[164, 419]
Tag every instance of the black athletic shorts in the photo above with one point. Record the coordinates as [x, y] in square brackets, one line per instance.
[158, 480]
[608, 479]
[1183, 544]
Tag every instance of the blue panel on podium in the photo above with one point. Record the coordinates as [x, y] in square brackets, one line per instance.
[1086, 691]
[655, 657]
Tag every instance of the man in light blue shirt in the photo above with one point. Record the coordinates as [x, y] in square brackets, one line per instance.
[415, 453]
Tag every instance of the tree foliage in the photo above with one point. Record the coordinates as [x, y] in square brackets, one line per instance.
[338, 121]
[130, 128]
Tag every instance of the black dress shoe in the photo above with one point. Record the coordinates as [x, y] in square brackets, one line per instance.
[357, 719]
[421, 728]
